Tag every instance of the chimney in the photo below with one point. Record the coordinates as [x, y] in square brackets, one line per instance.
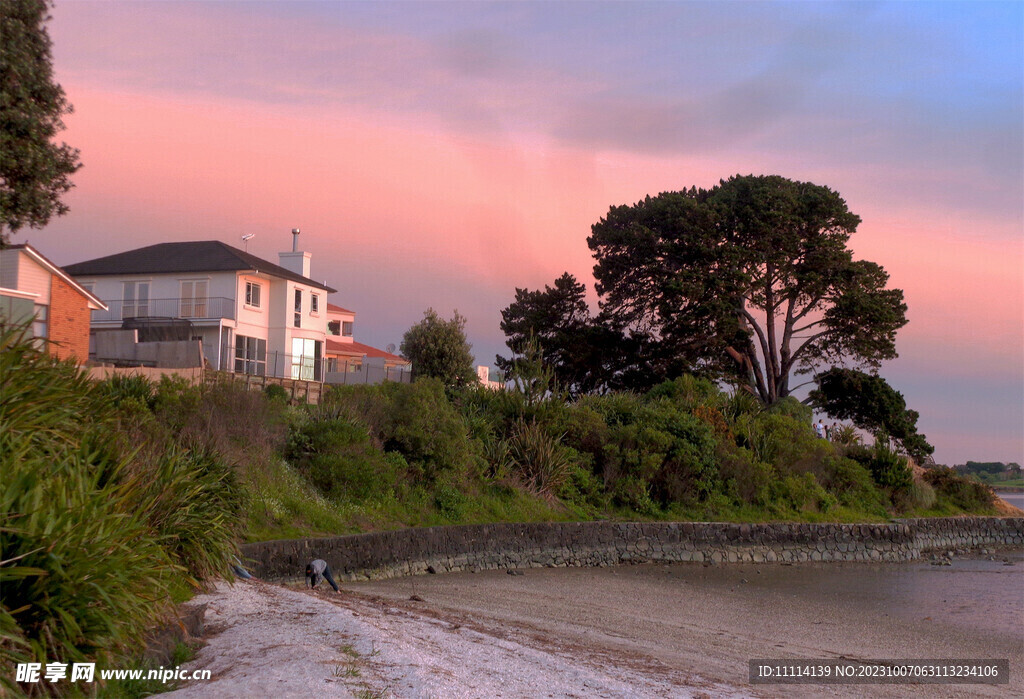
[296, 260]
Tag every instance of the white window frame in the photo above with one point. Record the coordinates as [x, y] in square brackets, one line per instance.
[314, 304]
[250, 287]
[306, 358]
[250, 355]
[137, 307]
[193, 304]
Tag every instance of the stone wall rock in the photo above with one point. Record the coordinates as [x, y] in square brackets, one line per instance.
[562, 544]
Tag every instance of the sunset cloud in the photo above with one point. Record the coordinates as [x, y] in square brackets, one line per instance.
[442, 154]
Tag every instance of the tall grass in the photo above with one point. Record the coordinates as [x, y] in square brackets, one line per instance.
[99, 526]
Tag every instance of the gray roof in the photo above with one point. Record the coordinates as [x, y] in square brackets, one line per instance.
[192, 257]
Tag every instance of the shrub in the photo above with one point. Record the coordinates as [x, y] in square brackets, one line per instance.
[740, 403]
[450, 501]
[88, 575]
[193, 504]
[746, 478]
[803, 493]
[791, 407]
[83, 573]
[427, 430]
[539, 459]
[336, 455]
[852, 484]
[687, 392]
[135, 387]
[276, 393]
[634, 493]
[889, 468]
[845, 435]
[961, 492]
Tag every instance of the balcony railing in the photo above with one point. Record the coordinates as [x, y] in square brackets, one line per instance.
[203, 308]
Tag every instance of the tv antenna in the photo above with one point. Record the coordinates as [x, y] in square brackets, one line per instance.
[246, 238]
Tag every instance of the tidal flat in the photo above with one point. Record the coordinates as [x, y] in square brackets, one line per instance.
[693, 625]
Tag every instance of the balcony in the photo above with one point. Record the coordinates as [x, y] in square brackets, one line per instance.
[195, 309]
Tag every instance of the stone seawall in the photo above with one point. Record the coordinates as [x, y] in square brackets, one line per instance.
[562, 544]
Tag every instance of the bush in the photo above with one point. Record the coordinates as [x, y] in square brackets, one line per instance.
[336, 455]
[959, 491]
[103, 518]
[539, 459]
[852, 484]
[687, 392]
[88, 575]
[84, 574]
[276, 393]
[427, 430]
[803, 494]
[744, 477]
[193, 504]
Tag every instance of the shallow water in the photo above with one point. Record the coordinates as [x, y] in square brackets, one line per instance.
[1015, 498]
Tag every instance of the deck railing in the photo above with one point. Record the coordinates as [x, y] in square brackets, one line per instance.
[202, 308]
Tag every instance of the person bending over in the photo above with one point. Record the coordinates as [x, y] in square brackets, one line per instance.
[318, 570]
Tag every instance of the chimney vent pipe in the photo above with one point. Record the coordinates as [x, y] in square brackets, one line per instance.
[295, 240]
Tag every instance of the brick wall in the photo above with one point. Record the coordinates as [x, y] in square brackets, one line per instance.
[68, 322]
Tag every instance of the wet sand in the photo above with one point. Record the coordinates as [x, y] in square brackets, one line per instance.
[693, 625]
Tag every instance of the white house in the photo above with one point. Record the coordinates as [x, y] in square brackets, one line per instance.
[252, 316]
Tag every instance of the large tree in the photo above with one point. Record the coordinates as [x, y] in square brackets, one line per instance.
[752, 279]
[438, 347]
[869, 402]
[34, 170]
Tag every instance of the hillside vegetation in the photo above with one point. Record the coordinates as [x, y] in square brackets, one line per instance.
[121, 497]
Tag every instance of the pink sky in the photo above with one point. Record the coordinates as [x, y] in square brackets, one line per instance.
[444, 160]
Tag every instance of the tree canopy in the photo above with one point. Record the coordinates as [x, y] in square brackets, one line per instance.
[438, 347]
[751, 280]
[869, 402]
[585, 354]
[34, 171]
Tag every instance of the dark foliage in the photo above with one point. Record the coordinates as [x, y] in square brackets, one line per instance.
[870, 403]
[34, 171]
[709, 276]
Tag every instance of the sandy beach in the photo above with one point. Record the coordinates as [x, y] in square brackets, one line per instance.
[680, 631]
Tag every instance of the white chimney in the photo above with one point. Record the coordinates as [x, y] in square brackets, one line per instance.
[296, 260]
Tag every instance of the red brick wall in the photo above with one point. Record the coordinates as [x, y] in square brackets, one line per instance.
[68, 322]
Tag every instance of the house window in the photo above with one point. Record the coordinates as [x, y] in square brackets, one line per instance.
[298, 308]
[250, 355]
[334, 327]
[193, 299]
[252, 294]
[306, 354]
[314, 303]
[39, 325]
[346, 328]
[135, 300]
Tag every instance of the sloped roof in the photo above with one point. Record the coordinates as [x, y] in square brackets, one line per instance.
[358, 349]
[189, 257]
[338, 309]
[62, 272]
